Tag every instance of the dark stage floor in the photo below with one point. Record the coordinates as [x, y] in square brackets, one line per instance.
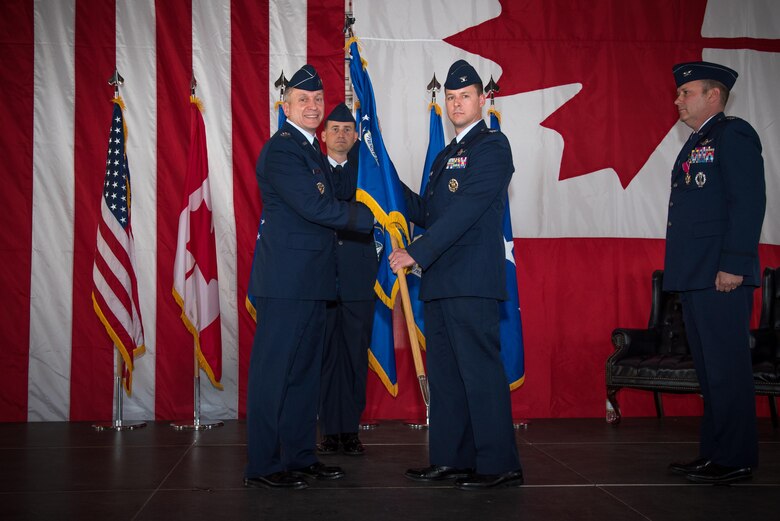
[575, 469]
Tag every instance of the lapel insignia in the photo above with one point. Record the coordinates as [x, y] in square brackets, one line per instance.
[453, 185]
[321, 188]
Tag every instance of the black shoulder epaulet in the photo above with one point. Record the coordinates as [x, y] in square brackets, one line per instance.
[284, 134]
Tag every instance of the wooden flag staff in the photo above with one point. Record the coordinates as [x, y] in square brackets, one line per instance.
[419, 366]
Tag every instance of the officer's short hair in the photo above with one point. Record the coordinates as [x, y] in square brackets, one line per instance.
[715, 84]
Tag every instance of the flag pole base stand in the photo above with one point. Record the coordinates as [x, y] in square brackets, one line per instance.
[368, 425]
[417, 424]
[196, 426]
[520, 424]
[118, 426]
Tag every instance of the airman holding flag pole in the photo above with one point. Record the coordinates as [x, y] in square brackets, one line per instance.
[462, 255]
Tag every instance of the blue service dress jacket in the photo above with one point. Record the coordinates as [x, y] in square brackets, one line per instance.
[356, 258]
[296, 256]
[716, 206]
[462, 251]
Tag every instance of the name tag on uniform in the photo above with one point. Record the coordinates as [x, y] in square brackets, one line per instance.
[703, 155]
[456, 163]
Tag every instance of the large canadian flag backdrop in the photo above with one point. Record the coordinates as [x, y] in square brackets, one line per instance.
[586, 98]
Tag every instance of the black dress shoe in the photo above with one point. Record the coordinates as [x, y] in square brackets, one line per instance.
[483, 481]
[351, 444]
[276, 480]
[437, 473]
[319, 471]
[696, 465]
[329, 444]
[715, 474]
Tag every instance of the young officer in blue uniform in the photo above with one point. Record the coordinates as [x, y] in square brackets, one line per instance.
[716, 209]
[462, 255]
[350, 317]
[294, 276]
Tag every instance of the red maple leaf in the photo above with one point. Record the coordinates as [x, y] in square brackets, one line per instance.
[202, 243]
[622, 52]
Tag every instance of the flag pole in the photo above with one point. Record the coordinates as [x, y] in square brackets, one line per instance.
[118, 424]
[349, 101]
[490, 90]
[197, 424]
[419, 367]
[422, 378]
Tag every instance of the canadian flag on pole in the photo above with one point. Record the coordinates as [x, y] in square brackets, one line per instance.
[195, 285]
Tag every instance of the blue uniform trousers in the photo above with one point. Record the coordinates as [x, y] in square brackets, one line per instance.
[284, 385]
[717, 326]
[345, 365]
[470, 409]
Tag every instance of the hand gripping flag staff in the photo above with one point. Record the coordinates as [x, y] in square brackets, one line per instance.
[380, 189]
[195, 280]
[511, 327]
[114, 283]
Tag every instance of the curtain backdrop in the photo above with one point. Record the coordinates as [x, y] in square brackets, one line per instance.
[586, 98]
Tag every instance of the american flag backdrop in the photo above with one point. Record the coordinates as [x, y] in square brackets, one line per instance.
[586, 98]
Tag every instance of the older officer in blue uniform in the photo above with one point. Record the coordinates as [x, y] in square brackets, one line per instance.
[716, 210]
[294, 276]
[462, 255]
[350, 317]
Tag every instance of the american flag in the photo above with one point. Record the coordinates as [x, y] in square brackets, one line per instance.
[115, 288]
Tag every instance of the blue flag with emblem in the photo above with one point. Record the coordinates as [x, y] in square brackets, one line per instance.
[251, 300]
[435, 145]
[511, 325]
[380, 189]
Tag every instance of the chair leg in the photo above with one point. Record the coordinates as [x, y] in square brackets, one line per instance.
[659, 406]
[613, 416]
[773, 411]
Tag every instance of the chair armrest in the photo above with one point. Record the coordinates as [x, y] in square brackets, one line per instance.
[634, 342]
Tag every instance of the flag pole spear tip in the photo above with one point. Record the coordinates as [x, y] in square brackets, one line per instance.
[491, 88]
[349, 21]
[281, 84]
[433, 87]
[116, 80]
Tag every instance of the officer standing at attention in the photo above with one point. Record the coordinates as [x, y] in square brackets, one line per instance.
[462, 256]
[294, 276]
[350, 317]
[716, 209]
